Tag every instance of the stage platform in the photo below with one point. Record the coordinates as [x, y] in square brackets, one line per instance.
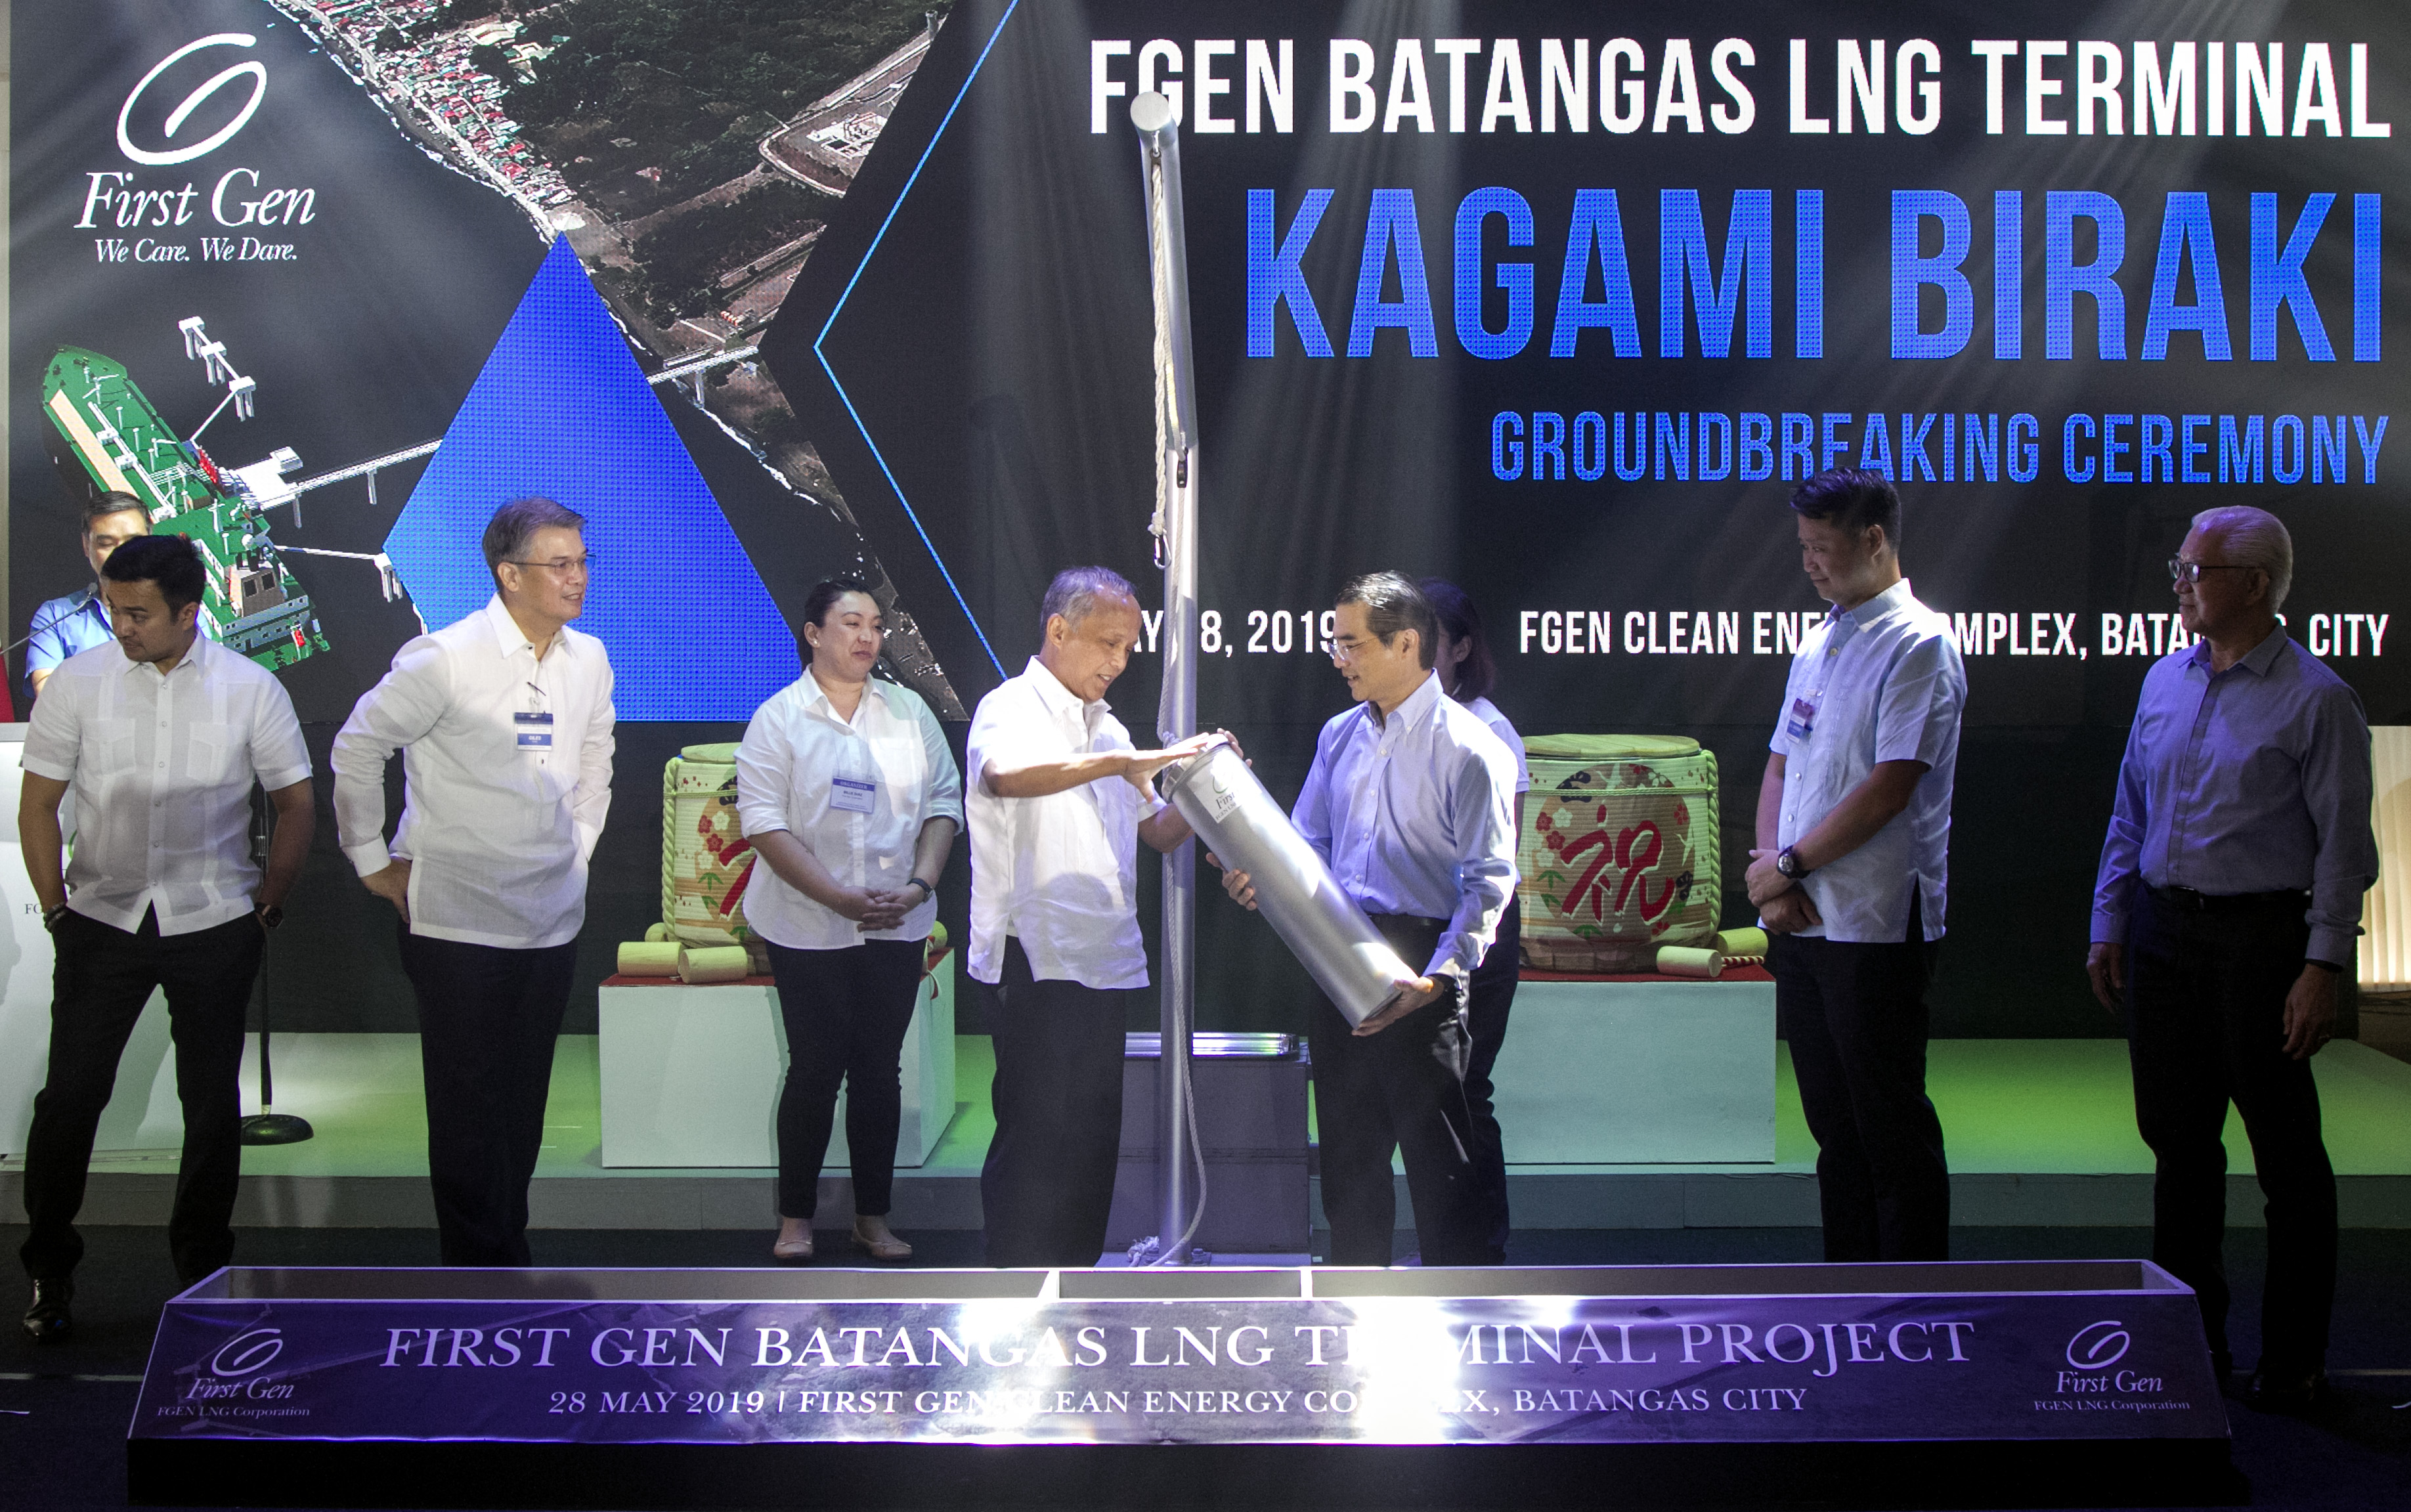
[2040, 1131]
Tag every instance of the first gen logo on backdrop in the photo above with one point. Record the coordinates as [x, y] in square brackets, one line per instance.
[166, 154]
[152, 125]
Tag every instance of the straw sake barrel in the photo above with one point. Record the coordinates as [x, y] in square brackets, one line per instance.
[705, 863]
[1619, 854]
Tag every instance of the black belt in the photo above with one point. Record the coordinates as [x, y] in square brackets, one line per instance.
[2190, 901]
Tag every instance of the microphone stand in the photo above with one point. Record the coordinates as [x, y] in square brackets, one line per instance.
[267, 1127]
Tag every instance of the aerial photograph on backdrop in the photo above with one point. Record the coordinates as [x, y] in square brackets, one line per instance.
[690, 153]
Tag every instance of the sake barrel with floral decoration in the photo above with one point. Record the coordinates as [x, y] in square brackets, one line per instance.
[706, 862]
[1619, 853]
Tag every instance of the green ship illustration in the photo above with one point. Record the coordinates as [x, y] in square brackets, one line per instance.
[253, 604]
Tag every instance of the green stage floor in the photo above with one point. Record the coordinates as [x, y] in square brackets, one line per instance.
[2038, 1131]
[2042, 1106]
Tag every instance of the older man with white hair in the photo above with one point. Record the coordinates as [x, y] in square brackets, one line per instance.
[2224, 914]
[1058, 800]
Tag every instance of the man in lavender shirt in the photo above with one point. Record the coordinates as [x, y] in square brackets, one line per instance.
[2224, 915]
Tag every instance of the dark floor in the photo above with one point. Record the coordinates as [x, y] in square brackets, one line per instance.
[63, 1411]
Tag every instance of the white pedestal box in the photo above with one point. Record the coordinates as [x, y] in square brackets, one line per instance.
[691, 1075]
[1638, 1074]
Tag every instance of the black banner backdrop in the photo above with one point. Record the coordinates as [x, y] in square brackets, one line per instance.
[2182, 298]
[1554, 302]
[341, 195]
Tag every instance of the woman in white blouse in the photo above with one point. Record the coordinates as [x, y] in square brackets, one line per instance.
[848, 793]
[1467, 673]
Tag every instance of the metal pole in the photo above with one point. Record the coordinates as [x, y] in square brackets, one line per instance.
[268, 1126]
[1176, 531]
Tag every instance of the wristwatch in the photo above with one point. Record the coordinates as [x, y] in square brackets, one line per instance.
[1787, 861]
[51, 917]
[927, 890]
[271, 916]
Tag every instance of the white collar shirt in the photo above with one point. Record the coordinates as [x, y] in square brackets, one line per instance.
[1059, 873]
[507, 761]
[856, 792]
[1415, 816]
[1882, 682]
[162, 769]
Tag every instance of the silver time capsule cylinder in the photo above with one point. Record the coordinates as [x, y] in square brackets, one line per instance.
[1321, 925]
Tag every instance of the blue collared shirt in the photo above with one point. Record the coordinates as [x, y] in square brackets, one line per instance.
[1882, 682]
[1414, 816]
[2256, 780]
[64, 626]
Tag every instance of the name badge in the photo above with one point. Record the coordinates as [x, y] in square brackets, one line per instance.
[1803, 720]
[535, 738]
[531, 718]
[851, 795]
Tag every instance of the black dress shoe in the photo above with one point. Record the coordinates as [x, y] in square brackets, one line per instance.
[47, 1318]
[2294, 1393]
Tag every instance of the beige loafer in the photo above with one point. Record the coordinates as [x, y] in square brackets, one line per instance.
[879, 1244]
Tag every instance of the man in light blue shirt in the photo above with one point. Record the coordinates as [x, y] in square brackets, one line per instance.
[2223, 919]
[79, 621]
[1851, 872]
[1409, 801]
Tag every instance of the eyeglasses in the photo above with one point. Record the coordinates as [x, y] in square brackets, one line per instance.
[1344, 649]
[564, 565]
[2190, 571]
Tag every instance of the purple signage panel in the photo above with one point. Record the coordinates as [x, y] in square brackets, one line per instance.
[1402, 1369]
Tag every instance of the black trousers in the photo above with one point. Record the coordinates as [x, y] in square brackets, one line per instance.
[2206, 1004]
[1047, 1185]
[1487, 999]
[100, 978]
[846, 1011]
[488, 1020]
[1400, 1090]
[1854, 1014]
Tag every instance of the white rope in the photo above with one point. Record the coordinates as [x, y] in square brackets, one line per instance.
[1171, 1250]
[1167, 417]
[1176, 1253]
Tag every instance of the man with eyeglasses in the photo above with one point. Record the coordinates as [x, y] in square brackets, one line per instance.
[505, 722]
[2222, 916]
[1410, 802]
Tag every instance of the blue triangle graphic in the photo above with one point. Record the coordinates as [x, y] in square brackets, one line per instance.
[562, 409]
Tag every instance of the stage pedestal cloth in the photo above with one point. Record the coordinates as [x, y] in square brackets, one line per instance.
[690, 1074]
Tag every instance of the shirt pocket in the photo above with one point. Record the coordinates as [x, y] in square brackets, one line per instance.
[208, 753]
[904, 766]
[114, 743]
[813, 774]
